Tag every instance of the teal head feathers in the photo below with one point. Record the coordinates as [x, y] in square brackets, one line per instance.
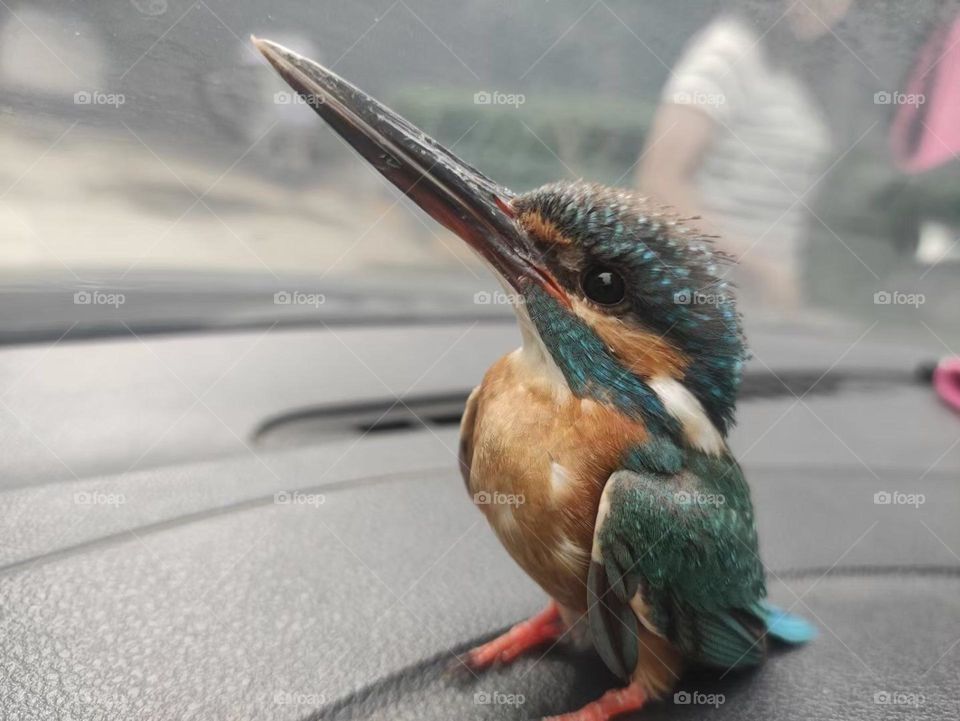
[646, 297]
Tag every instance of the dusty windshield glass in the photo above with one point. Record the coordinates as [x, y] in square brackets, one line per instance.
[149, 149]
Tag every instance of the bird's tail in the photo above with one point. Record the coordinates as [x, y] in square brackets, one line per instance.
[786, 627]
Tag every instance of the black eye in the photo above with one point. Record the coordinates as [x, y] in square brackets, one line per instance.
[603, 286]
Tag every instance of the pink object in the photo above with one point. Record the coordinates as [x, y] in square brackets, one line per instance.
[926, 132]
[946, 381]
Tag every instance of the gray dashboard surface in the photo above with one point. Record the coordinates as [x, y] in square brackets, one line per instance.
[339, 580]
[76, 409]
[353, 608]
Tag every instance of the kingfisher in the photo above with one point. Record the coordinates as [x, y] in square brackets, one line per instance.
[598, 449]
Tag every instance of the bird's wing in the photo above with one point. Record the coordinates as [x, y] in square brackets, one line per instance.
[466, 435]
[678, 553]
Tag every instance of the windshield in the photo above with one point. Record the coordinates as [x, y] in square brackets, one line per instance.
[158, 172]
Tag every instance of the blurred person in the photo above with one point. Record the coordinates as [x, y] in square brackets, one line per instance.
[739, 140]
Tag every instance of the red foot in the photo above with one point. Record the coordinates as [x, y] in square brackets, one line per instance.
[545, 626]
[612, 703]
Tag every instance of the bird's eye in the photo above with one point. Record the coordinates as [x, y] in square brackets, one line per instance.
[603, 286]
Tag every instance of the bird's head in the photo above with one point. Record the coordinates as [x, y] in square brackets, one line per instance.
[620, 298]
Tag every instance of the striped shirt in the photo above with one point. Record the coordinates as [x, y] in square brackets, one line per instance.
[771, 144]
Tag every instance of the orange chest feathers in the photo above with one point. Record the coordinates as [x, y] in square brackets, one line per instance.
[537, 458]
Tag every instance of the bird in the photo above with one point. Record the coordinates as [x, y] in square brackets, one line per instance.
[597, 450]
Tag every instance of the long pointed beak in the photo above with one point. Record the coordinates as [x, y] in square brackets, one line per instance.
[456, 195]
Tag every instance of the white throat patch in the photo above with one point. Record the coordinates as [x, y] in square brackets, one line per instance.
[534, 353]
[684, 406]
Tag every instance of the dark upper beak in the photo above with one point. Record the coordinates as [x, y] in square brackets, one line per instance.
[456, 195]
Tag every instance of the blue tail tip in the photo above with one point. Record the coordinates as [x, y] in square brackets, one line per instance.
[787, 627]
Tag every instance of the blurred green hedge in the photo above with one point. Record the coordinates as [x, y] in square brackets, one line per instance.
[542, 139]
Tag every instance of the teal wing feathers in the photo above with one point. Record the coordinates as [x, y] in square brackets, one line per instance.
[683, 547]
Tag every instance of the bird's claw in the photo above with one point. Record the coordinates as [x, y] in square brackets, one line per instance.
[611, 704]
[506, 648]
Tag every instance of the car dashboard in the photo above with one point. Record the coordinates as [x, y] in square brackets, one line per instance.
[270, 524]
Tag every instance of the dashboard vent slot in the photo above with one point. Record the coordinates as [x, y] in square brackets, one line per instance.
[308, 426]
